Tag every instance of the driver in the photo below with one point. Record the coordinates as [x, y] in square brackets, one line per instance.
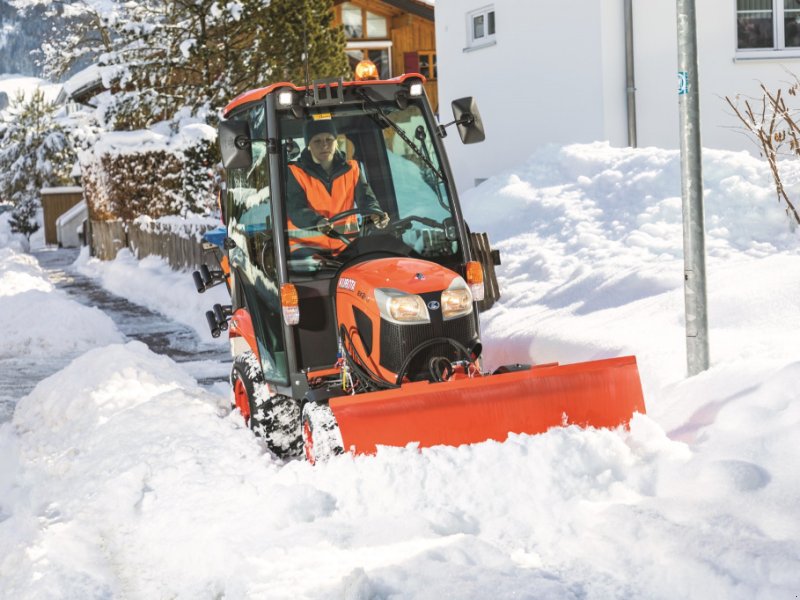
[323, 184]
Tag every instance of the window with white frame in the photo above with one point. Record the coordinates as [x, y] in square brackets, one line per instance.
[360, 23]
[480, 27]
[768, 24]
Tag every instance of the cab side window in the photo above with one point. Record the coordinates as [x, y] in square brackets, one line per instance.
[249, 198]
[251, 228]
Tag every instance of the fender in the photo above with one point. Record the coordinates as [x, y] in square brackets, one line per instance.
[241, 326]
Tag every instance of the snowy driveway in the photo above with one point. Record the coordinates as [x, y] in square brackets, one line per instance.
[207, 362]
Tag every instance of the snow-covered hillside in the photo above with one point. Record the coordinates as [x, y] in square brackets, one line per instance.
[14, 85]
[120, 477]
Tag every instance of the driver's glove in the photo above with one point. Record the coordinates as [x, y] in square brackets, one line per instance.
[380, 221]
[324, 226]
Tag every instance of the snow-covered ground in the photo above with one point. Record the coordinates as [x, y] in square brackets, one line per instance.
[120, 477]
[14, 85]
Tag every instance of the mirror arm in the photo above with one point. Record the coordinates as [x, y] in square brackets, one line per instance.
[242, 141]
[467, 119]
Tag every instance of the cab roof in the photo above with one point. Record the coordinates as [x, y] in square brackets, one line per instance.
[260, 93]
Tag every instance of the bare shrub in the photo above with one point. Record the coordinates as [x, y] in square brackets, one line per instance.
[774, 126]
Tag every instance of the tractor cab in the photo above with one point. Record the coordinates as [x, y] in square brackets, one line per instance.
[392, 148]
[385, 131]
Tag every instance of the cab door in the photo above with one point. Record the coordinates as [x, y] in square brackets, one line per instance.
[251, 228]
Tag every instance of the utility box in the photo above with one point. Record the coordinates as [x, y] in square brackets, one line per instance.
[55, 202]
[70, 226]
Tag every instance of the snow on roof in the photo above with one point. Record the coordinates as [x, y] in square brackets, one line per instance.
[77, 210]
[93, 79]
[70, 189]
[86, 77]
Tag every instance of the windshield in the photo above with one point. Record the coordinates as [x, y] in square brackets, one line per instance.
[369, 162]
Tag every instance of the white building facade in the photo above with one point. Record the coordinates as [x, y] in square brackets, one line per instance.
[555, 72]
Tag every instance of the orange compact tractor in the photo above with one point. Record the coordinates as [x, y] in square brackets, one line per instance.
[362, 333]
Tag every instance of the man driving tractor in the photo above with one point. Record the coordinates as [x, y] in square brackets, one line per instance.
[323, 184]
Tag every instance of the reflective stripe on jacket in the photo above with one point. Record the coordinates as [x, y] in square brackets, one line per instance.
[326, 204]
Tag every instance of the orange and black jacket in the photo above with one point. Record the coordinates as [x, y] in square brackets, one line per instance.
[312, 194]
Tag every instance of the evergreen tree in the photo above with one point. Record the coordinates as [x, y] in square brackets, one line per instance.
[160, 57]
[34, 153]
[299, 27]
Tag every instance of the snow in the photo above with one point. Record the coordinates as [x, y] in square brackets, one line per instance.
[36, 319]
[150, 282]
[121, 477]
[159, 137]
[13, 85]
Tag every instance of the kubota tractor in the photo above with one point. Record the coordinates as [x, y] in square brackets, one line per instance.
[377, 342]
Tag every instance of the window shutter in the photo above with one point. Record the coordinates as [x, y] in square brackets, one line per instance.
[411, 62]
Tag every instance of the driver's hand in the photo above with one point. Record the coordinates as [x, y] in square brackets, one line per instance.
[380, 221]
[324, 226]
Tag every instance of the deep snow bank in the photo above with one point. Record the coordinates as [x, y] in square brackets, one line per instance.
[131, 485]
[152, 283]
[591, 243]
[38, 320]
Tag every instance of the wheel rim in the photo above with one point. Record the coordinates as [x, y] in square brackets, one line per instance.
[308, 441]
[242, 400]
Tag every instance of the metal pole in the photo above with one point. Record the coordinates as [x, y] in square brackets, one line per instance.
[694, 259]
[630, 84]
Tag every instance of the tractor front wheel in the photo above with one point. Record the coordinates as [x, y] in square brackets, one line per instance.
[273, 417]
[322, 439]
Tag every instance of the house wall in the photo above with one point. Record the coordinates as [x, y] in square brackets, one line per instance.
[557, 75]
[720, 73]
[541, 82]
[410, 34]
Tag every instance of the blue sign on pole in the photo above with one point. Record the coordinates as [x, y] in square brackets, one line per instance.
[683, 82]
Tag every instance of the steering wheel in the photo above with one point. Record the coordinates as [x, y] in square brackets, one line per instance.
[365, 212]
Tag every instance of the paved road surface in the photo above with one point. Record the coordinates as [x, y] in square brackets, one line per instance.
[209, 363]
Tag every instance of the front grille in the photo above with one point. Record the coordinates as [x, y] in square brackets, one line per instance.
[398, 341]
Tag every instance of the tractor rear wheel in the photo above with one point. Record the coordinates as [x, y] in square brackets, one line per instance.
[272, 417]
[322, 439]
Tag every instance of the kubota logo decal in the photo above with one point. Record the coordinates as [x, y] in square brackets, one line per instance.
[347, 283]
[433, 305]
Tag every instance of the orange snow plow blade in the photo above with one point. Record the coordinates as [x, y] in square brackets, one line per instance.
[602, 393]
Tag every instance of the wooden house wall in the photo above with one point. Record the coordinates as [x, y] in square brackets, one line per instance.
[407, 32]
[413, 34]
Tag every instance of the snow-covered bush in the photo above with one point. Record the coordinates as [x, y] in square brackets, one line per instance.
[150, 172]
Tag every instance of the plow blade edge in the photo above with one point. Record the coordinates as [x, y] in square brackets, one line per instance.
[602, 393]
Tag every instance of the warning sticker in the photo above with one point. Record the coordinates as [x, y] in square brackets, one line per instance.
[347, 283]
[322, 117]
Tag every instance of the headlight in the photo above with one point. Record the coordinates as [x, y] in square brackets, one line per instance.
[456, 300]
[399, 307]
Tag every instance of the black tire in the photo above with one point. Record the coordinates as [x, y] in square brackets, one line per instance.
[322, 439]
[272, 417]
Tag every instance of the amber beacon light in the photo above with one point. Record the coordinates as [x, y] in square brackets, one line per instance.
[366, 70]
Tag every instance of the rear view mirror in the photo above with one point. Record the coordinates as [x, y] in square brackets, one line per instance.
[234, 144]
[468, 120]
